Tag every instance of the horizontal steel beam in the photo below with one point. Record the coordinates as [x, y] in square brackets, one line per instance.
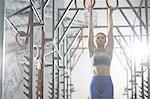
[104, 8]
[104, 26]
[86, 36]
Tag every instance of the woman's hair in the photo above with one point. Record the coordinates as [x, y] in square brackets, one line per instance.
[102, 34]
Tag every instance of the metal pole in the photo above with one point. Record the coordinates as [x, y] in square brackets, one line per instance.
[63, 88]
[146, 17]
[140, 13]
[42, 56]
[63, 16]
[132, 27]
[135, 80]
[31, 56]
[70, 24]
[147, 40]
[133, 9]
[127, 84]
[58, 85]
[53, 67]
[148, 81]
[2, 3]
[67, 79]
[122, 36]
[142, 78]
[102, 8]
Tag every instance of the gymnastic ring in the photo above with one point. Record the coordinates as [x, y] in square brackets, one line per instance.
[75, 2]
[114, 8]
[21, 45]
[84, 4]
[37, 52]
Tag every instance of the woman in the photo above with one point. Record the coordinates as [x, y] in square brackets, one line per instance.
[101, 56]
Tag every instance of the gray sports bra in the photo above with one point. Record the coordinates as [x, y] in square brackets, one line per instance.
[101, 58]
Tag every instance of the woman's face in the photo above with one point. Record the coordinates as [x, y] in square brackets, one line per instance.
[100, 39]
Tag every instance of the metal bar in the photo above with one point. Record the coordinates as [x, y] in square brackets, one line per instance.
[146, 20]
[36, 12]
[68, 73]
[46, 1]
[64, 71]
[130, 66]
[79, 56]
[53, 68]
[142, 82]
[81, 48]
[62, 38]
[27, 7]
[70, 82]
[147, 40]
[58, 86]
[31, 56]
[84, 26]
[126, 73]
[124, 54]
[130, 25]
[14, 27]
[86, 36]
[122, 36]
[72, 54]
[148, 81]
[135, 80]
[71, 45]
[63, 16]
[104, 8]
[42, 56]
[120, 61]
[2, 3]
[103, 26]
[140, 13]
[56, 49]
[136, 13]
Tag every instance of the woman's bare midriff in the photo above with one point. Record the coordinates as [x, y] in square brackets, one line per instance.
[102, 70]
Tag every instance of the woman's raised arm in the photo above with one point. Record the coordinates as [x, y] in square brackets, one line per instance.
[91, 45]
[110, 43]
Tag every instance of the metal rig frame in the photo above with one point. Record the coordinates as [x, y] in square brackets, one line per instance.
[60, 86]
[1, 43]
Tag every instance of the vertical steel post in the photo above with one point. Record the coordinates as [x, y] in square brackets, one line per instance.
[53, 66]
[67, 79]
[42, 56]
[142, 78]
[58, 85]
[147, 40]
[141, 34]
[2, 5]
[135, 80]
[31, 56]
[64, 70]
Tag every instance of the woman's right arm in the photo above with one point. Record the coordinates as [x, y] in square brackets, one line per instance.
[91, 45]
